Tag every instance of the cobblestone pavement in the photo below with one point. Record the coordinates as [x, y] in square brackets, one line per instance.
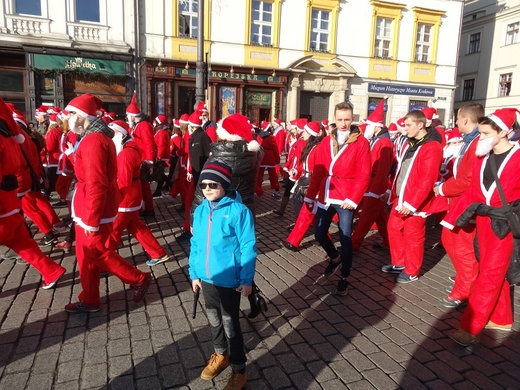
[380, 336]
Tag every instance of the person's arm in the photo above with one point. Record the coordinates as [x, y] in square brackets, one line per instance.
[245, 231]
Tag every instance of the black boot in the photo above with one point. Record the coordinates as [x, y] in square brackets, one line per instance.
[257, 302]
[283, 205]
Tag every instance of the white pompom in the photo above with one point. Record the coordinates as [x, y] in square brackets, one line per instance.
[19, 138]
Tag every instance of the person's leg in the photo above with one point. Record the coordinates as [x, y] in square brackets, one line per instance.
[321, 233]
[273, 179]
[345, 237]
[36, 214]
[371, 209]
[120, 224]
[303, 222]
[414, 236]
[144, 236]
[395, 238]
[147, 196]
[259, 180]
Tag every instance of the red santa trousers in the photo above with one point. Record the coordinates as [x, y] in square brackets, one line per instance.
[490, 299]
[459, 246]
[63, 185]
[406, 238]
[373, 211]
[190, 195]
[304, 220]
[39, 210]
[137, 228]
[179, 186]
[147, 195]
[93, 257]
[273, 180]
[15, 236]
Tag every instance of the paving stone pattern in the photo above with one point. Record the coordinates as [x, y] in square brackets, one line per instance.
[380, 336]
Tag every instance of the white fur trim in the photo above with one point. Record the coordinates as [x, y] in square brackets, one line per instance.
[253, 146]
[224, 135]
[116, 127]
[499, 122]
[81, 113]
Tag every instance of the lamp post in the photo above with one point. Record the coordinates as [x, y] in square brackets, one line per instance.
[200, 66]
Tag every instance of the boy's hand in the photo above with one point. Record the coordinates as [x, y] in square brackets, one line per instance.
[196, 285]
[245, 290]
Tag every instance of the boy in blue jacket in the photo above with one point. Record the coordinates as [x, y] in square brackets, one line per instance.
[222, 263]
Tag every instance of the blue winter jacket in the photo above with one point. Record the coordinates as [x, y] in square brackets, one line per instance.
[223, 246]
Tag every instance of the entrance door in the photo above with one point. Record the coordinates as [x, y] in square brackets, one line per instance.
[259, 114]
[186, 102]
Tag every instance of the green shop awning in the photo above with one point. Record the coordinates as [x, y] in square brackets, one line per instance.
[89, 65]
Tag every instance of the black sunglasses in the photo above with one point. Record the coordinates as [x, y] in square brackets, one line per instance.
[213, 186]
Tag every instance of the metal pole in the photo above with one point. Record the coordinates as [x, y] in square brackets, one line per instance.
[199, 75]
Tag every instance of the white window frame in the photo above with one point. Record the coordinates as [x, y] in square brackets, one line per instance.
[505, 81]
[471, 43]
[189, 16]
[421, 43]
[382, 39]
[512, 33]
[320, 31]
[262, 23]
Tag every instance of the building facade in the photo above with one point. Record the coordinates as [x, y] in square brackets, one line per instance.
[264, 58]
[489, 51]
[54, 50]
[298, 58]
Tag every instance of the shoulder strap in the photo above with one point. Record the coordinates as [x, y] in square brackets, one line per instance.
[27, 160]
[493, 165]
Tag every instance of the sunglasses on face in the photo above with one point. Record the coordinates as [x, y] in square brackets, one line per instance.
[213, 186]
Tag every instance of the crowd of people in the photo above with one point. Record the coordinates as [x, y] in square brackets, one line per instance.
[362, 177]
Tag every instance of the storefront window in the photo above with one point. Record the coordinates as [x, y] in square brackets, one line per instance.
[418, 104]
[228, 99]
[11, 81]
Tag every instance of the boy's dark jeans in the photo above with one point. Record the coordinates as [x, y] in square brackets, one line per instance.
[222, 308]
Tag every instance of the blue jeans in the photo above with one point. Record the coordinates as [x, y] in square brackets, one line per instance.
[323, 221]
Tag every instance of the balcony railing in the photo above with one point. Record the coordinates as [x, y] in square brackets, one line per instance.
[85, 32]
[27, 25]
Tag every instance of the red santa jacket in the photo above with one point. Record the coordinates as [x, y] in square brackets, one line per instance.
[306, 166]
[382, 157]
[96, 197]
[24, 175]
[343, 177]
[10, 161]
[162, 140]
[128, 171]
[184, 151]
[280, 136]
[417, 188]
[176, 144]
[509, 179]
[142, 134]
[293, 158]
[53, 146]
[271, 156]
[462, 169]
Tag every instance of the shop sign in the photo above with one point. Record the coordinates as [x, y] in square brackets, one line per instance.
[259, 99]
[396, 89]
[90, 65]
[230, 76]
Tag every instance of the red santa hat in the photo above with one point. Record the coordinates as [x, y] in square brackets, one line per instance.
[195, 119]
[504, 118]
[176, 123]
[236, 127]
[54, 110]
[430, 113]
[400, 123]
[278, 121]
[133, 108]
[265, 125]
[63, 114]
[313, 128]
[53, 118]
[185, 118]
[7, 115]
[294, 123]
[377, 117]
[86, 106]
[160, 119]
[392, 127]
[254, 125]
[300, 124]
[42, 110]
[453, 135]
[120, 126]
[201, 106]
[325, 123]
[19, 117]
